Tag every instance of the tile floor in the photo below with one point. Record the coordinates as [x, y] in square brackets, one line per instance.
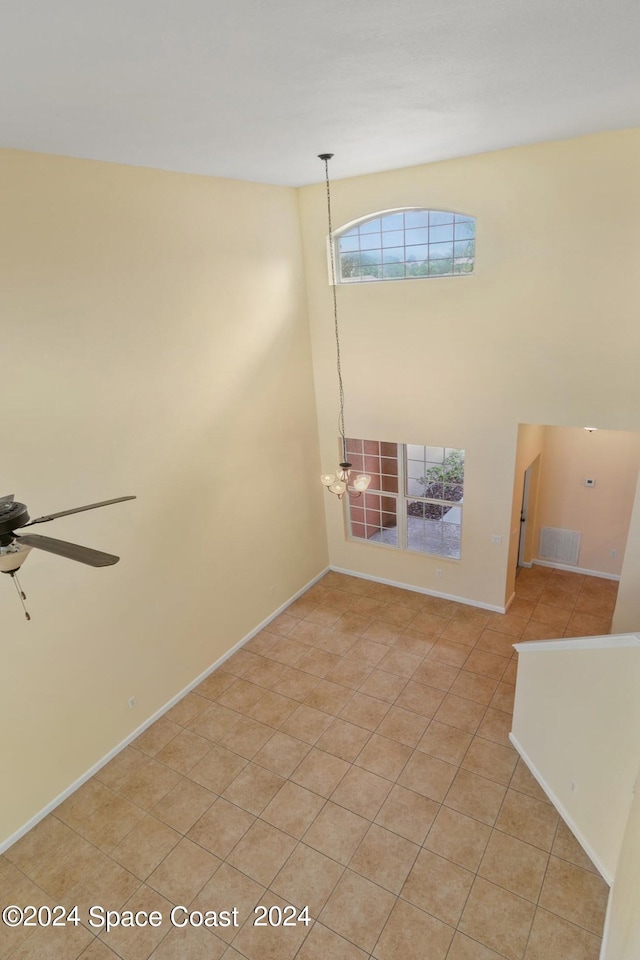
[353, 757]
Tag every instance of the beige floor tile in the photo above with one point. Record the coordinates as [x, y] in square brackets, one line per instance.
[364, 711]
[553, 938]
[270, 942]
[357, 909]
[109, 884]
[567, 847]
[498, 919]
[507, 623]
[217, 769]
[457, 712]
[485, 664]
[325, 615]
[116, 773]
[282, 754]
[336, 832]
[241, 696]
[407, 813]
[46, 943]
[282, 624]
[361, 792]
[400, 662]
[349, 673]
[428, 625]
[410, 934]
[367, 652]
[553, 597]
[403, 725]
[458, 838]
[83, 802]
[344, 739]
[472, 686]
[215, 720]
[273, 709]
[149, 783]
[352, 624]
[556, 617]
[382, 632]
[216, 683]
[475, 796]
[384, 757]
[414, 644]
[524, 782]
[226, 889]
[97, 950]
[184, 805]
[287, 652]
[307, 879]
[470, 613]
[307, 724]
[539, 630]
[184, 751]
[138, 943]
[490, 760]
[329, 697]
[157, 736]
[438, 675]
[238, 663]
[496, 643]
[307, 632]
[420, 698]
[503, 697]
[145, 847]
[183, 872]
[575, 894]
[445, 742]
[447, 652]
[111, 822]
[58, 873]
[293, 809]
[262, 642]
[324, 944]
[438, 886]
[496, 726]
[515, 865]
[320, 772]
[427, 775]
[464, 948]
[464, 632]
[186, 710]
[296, 685]
[261, 852]
[267, 672]
[370, 608]
[17, 889]
[221, 827]
[246, 737]
[385, 858]
[196, 943]
[383, 685]
[522, 608]
[253, 788]
[528, 819]
[596, 606]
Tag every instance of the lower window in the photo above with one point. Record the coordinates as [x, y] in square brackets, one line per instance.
[414, 501]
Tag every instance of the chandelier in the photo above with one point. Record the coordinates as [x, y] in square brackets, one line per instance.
[341, 481]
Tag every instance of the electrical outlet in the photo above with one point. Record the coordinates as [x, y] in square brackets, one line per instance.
[614, 554]
[496, 538]
[131, 702]
[438, 572]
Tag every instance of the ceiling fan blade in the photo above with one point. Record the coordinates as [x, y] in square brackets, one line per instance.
[67, 513]
[72, 551]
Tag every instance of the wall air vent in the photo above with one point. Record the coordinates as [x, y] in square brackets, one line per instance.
[563, 546]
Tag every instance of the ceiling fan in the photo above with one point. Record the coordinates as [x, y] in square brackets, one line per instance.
[14, 548]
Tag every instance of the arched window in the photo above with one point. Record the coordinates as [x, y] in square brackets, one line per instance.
[405, 244]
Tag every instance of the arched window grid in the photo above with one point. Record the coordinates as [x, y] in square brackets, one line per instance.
[404, 244]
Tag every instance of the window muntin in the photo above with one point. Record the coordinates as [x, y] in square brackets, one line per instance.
[415, 498]
[406, 244]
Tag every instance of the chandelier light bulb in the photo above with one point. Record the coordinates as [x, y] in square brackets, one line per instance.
[361, 482]
[339, 487]
[327, 479]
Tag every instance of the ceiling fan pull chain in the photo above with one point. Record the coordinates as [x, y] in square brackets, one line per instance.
[21, 594]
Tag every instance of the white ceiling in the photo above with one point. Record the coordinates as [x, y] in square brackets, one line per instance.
[254, 90]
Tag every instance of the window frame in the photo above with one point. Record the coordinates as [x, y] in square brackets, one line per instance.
[457, 217]
[402, 498]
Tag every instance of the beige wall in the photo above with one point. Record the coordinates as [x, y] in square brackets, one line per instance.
[583, 743]
[601, 513]
[545, 331]
[154, 342]
[623, 919]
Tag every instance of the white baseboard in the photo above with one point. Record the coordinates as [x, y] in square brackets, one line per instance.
[509, 601]
[566, 816]
[583, 570]
[430, 593]
[5, 844]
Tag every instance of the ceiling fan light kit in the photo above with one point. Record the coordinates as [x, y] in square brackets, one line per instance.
[14, 548]
[340, 482]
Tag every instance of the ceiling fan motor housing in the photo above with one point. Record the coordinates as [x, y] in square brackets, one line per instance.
[12, 516]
